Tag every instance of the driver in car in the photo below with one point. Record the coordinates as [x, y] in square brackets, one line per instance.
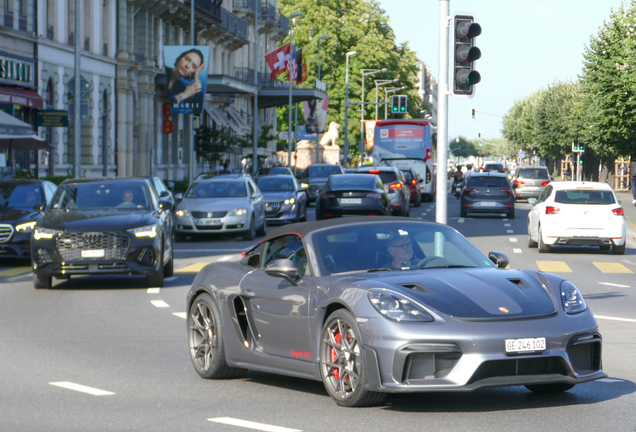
[401, 250]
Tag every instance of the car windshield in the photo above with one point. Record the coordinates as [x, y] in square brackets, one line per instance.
[496, 167]
[275, 184]
[349, 181]
[584, 197]
[492, 182]
[374, 246]
[20, 195]
[101, 195]
[533, 173]
[386, 176]
[408, 176]
[323, 170]
[217, 189]
[279, 170]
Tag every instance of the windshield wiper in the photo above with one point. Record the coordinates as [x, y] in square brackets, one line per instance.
[446, 266]
[362, 271]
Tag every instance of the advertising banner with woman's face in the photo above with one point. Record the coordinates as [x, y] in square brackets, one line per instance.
[187, 71]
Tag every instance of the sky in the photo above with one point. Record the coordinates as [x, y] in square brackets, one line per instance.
[526, 45]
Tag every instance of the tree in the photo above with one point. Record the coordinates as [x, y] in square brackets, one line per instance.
[211, 143]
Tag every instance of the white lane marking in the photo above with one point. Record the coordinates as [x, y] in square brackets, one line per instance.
[505, 219]
[153, 290]
[506, 224]
[517, 250]
[614, 285]
[159, 303]
[460, 220]
[225, 258]
[509, 231]
[512, 240]
[180, 315]
[614, 318]
[628, 262]
[251, 425]
[421, 218]
[171, 278]
[610, 380]
[81, 388]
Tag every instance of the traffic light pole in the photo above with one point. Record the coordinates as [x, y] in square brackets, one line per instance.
[441, 210]
[578, 166]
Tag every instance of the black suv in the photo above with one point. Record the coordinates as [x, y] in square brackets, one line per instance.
[103, 226]
[315, 178]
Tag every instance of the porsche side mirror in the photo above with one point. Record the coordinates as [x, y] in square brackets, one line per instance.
[165, 205]
[164, 194]
[39, 207]
[284, 268]
[532, 201]
[178, 197]
[500, 259]
[252, 260]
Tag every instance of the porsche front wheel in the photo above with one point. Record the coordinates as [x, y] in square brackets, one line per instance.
[205, 335]
[342, 364]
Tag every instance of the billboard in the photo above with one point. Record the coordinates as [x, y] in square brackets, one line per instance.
[187, 73]
[316, 115]
[369, 132]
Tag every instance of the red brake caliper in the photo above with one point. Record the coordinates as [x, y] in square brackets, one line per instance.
[334, 356]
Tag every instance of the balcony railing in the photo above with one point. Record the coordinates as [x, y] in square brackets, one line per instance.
[8, 18]
[50, 32]
[244, 74]
[234, 24]
[244, 4]
[209, 6]
[71, 38]
[22, 23]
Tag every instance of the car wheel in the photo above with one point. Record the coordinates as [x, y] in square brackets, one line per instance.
[304, 216]
[418, 202]
[463, 214]
[618, 250]
[531, 243]
[155, 279]
[342, 362]
[549, 388]
[605, 247]
[41, 281]
[263, 230]
[543, 248]
[511, 215]
[205, 335]
[168, 269]
[251, 231]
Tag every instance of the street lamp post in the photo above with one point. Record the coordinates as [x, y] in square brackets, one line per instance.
[365, 72]
[388, 90]
[320, 39]
[377, 84]
[346, 140]
[290, 137]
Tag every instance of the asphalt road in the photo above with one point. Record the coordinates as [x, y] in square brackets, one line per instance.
[127, 345]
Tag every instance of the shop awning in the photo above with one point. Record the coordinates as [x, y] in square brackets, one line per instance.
[24, 142]
[18, 96]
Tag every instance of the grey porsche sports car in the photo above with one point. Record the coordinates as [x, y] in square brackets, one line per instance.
[380, 305]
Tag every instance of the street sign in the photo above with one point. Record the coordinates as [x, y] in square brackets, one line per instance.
[51, 118]
[284, 135]
[85, 86]
[301, 131]
[522, 154]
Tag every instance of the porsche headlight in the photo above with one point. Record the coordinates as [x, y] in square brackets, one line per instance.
[304, 185]
[237, 212]
[181, 213]
[25, 227]
[290, 201]
[571, 298]
[145, 231]
[44, 233]
[397, 307]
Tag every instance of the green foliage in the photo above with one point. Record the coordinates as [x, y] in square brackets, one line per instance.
[211, 143]
[463, 148]
[56, 179]
[354, 25]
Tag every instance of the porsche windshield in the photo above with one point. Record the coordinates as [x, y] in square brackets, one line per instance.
[392, 246]
[101, 195]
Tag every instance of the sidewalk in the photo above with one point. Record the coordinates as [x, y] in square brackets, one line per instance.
[630, 213]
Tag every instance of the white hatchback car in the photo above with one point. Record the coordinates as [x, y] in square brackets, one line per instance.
[577, 214]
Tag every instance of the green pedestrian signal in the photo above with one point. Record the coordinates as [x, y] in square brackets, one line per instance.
[402, 104]
[396, 104]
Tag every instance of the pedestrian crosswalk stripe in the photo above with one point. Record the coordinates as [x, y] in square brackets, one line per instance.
[554, 266]
[15, 271]
[192, 268]
[606, 267]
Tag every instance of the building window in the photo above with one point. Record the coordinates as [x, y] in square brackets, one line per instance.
[71, 22]
[105, 27]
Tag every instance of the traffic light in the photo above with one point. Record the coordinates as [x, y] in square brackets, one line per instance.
[578, 147]
[403, 99]
[465, 30]
[479, 135]
[396, 104]
[474, 111]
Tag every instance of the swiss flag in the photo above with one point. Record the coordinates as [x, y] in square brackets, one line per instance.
[277, 60]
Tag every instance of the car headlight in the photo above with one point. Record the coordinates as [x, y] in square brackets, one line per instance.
[44, 233]
[237, 212]
[181, 213]
[397, 307]
[290, 201]
[145, 231]
[304, 185]
[571, 298]
[25, 227]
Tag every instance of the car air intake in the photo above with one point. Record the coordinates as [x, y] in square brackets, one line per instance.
[521, 366]
[585, 353]
[420, 366]
[5, 232]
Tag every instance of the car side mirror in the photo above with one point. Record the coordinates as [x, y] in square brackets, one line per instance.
[39, 207]
[500, 259]
[178, 197]
[284, 268]
[532, 201]
[164, 194]
[165, 205]
[421, 181]
[252, 260]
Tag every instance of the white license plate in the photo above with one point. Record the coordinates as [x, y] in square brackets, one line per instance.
[525, 345]
[350, 200]
[208, 221]
[586, 233]
[487, 203]
[93, 253]
[458, 189]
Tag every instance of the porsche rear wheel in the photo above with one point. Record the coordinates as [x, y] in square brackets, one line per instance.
[550, 388]
[205, 335]
[342, 364]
